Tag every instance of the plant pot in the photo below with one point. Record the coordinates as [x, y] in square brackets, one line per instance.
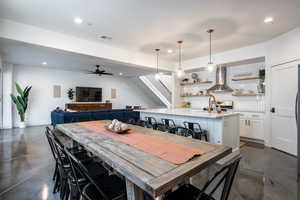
[22, 125]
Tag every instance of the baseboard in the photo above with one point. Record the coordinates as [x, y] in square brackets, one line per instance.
[244, 139]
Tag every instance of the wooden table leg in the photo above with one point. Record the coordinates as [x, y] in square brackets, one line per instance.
[133, 191]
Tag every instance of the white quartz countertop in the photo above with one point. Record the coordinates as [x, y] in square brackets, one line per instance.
[188, 112]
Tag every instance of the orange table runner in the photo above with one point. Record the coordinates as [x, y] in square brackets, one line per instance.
[165, 149]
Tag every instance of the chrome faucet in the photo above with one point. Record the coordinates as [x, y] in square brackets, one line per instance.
[211, 101]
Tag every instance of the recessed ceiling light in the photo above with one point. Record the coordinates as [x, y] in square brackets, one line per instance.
[78, 20]
[268, 20]
[120, 73]
[44, 63]
[170, 51]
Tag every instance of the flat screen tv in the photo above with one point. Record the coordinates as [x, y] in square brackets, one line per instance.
[88, 94]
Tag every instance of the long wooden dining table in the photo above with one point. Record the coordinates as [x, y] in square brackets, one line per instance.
[145, 172]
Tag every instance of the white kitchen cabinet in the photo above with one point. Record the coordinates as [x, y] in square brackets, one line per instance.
[256, 129]
[243, 128]
[252, 126]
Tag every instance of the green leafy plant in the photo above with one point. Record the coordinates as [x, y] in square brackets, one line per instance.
[71, 93]
[21, 100]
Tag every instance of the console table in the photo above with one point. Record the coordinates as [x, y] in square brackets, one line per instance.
[88, 106]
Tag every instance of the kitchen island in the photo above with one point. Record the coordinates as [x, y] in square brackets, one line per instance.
[223, 128]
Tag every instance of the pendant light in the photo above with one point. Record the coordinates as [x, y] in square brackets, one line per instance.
[210, 65]
[157, 75]
[180, 71]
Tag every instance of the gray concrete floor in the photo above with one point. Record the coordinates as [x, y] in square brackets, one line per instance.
[26, 168]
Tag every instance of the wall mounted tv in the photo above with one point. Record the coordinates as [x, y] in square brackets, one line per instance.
[88, 94]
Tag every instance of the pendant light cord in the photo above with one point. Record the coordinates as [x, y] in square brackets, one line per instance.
[157, 54]
[179, 55]
[210, 47]
[157, 62]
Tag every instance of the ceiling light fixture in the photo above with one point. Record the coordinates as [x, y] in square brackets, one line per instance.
[170, 51]
[268, 20]
[180, 71]
[210, 65]
[78, 20]
[44, 63]
[157, 75]
[120, 73]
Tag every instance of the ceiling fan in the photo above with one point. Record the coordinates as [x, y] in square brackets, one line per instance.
[99, 72]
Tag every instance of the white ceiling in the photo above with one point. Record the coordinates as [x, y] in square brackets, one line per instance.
[32, 55]
[144, 25]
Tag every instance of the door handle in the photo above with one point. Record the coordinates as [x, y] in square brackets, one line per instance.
[272, 110]
[296, 109]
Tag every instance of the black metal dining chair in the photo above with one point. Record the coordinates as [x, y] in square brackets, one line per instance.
[57, 176]
[182, 131]
[223, 178]
[107, 187]
[68, 181]
[196, 128]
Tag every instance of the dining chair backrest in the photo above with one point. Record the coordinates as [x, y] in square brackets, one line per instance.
[49, 134]
[193, 126]
[168, 123]
[182, 131]
[61, 161]
[226, 176]
[78, 171]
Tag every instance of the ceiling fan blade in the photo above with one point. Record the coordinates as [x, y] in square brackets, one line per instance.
[105, 73]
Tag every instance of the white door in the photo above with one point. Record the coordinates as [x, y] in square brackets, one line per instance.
[283, 97]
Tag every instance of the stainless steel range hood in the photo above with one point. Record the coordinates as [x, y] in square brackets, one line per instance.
[221, 85]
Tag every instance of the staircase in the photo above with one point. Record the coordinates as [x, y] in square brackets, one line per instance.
[159, 88]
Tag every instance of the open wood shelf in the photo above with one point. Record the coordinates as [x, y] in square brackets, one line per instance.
[248, 94]
[195, 95]
[196, 83]
[243, 78]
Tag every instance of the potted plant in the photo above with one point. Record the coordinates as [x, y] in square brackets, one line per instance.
[21, 101]
[70, 93]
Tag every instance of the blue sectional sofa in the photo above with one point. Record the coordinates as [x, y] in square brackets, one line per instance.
[61, 117]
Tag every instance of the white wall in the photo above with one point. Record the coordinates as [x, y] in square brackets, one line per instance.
[41, 100]
[1, 96]
[245, 53]
[7, 90]
[284, 48]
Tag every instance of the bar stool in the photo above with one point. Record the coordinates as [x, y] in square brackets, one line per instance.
[150, 122]
[196, 128]
[182, 131]
[167, 125]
